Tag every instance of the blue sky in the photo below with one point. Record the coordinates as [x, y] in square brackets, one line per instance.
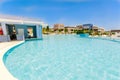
[103, 13]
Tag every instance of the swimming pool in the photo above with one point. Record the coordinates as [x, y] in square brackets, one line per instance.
[65, 57]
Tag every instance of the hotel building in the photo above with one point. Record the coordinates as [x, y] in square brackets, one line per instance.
[116, 32]
[58, 26]
[70, 29]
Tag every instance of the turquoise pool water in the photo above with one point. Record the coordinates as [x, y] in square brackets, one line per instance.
[65, 57]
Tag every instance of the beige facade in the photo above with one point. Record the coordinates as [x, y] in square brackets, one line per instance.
[102, 30]
[95, 28]
[58, 26]
[70, 29]
[79, 27]
[116, 32]
[98, 29]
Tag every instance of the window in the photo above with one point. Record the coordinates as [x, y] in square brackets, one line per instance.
[71, 29]
[30, 32]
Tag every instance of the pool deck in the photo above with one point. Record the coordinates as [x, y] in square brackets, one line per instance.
[4, 47]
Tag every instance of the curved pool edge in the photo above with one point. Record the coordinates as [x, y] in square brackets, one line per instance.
[107, 38]
[4, 73]
[12, 78]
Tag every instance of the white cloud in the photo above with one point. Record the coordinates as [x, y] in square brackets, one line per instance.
[44, 8]
[4, 1]
[62, 20]
[30, 8]
[118, 0]
[66, 21]
[72, 0]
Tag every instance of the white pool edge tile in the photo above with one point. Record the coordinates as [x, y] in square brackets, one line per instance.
[4, 73]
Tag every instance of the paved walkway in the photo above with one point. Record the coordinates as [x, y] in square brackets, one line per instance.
[5, 46]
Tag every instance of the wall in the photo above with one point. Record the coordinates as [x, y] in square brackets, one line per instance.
[4, 28]
[4, 38]
[22, 27]
[117, 34]
[39, 31]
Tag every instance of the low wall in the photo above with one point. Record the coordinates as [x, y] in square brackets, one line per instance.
[4, 38]
[20, 37]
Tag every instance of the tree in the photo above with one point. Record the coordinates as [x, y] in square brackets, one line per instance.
[43, 29]
[60, 30]
[47, 29]
[91, 32]
[65, 30]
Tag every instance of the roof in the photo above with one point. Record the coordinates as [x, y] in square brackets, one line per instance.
[87, 24]
[19, 20]
[94, 27]
[115, 30]
[69, 27]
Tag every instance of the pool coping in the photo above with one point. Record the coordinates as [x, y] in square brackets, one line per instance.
[4, 73]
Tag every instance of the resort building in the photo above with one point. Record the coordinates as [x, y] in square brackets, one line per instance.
[79, 27]
[87, 26]
[19, 28]
[70, 29]
[116, 32]
[90, 27]
[98, 29]
[58, 27]
[95, 28]
[102, 30]
[84, 27]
